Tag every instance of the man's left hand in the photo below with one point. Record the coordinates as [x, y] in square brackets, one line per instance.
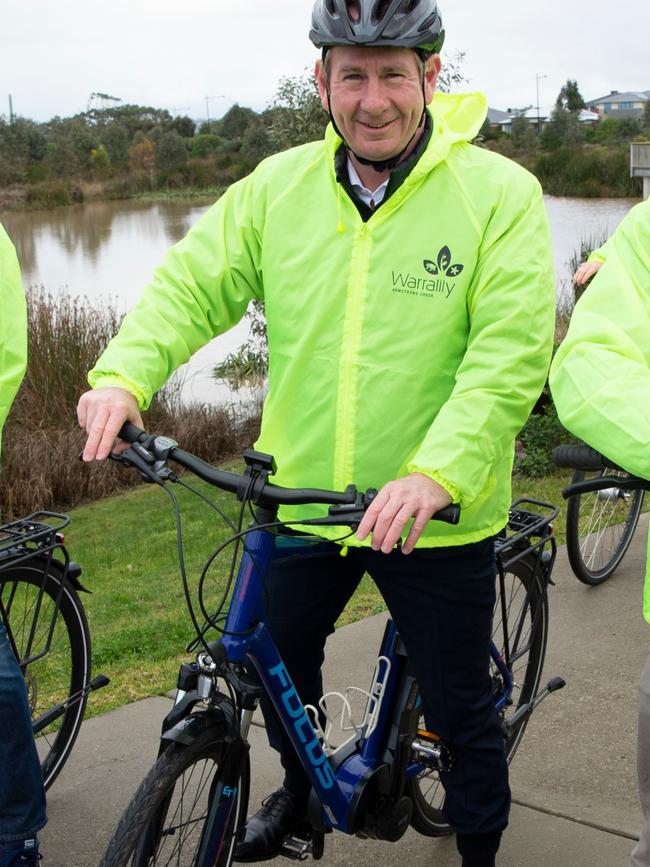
[415, 496]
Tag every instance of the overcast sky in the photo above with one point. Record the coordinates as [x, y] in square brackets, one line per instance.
[172, 55]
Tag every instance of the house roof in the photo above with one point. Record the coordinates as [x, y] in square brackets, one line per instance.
[625, 96]
[495, 115]
[545, 115]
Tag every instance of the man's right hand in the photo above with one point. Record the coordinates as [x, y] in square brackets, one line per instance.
[101, 413]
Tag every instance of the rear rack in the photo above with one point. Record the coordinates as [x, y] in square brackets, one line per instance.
[35, 533]
[527, 532]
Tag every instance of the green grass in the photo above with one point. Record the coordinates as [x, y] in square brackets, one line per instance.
[182, 194]
[139, 622]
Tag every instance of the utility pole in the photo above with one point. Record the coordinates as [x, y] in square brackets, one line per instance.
[11, 110]
[538, 78]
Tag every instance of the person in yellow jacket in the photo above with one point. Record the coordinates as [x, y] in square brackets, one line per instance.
[409, 297]
[22, 800]
[600, 381]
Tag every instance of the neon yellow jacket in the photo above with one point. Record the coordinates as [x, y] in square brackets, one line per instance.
[13, 326]
[416, 341]
[600, 377]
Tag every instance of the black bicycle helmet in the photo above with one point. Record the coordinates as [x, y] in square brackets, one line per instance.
[378, 23]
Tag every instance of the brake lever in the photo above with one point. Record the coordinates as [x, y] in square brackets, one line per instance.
[339, 516]
[140, 459]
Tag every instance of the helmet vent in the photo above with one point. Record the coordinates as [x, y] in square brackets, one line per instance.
[428, 23]
[354, 10]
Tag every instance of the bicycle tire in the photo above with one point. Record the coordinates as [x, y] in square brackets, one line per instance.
[599, 529]
[196, 766]
[426, 789]
[65, 670]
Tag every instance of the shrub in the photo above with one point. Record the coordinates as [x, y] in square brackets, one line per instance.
[49, 194]
[540, 435]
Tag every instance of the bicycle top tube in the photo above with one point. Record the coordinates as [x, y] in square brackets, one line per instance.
[148, 450]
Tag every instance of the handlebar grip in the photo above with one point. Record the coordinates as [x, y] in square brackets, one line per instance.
[580, 458]
[450, 514]
[130, 433]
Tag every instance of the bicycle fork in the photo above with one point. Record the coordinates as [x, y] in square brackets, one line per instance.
[221, 824]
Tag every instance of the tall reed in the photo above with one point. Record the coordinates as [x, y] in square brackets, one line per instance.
[41, 442]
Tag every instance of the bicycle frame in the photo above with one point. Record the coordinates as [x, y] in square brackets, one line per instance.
[365, 784]
[335, 783]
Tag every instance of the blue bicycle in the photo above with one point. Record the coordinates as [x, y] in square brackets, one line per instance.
[373, 771]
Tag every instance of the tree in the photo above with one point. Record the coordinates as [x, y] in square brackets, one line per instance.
[296, 114]
[256, 143]
[645, 121]
[184, 126]
[142, 156]
[564, 128]
[523, 135]
[569, 97]
[171, 152]
[451, 73]
[204, 145]
[235, 121]
[115, 139]
[100, 162]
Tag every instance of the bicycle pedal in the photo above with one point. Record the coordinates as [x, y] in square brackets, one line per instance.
[301, 843]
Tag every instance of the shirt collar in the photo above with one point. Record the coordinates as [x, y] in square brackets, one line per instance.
[361, 190]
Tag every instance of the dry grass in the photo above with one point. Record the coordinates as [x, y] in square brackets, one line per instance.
[40, 466]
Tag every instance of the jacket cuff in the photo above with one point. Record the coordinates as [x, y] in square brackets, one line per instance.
[452, 490]
[114, 380]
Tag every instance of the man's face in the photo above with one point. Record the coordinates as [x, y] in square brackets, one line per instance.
[376, 96]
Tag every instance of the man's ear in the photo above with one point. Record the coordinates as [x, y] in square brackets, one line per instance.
[431, 73]
[321, 81]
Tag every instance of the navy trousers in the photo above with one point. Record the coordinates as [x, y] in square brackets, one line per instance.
[22, 800]
[441, 600]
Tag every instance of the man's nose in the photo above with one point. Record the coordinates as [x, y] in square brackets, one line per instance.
[374, 95]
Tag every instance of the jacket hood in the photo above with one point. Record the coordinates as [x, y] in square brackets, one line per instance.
[457, 117]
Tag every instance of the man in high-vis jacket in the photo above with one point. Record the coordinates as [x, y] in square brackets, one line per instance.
[600, 380]
[22, 800]
[409, 298]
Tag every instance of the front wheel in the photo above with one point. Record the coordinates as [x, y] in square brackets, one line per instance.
[599, 529]
[524, 630]
[165, 822]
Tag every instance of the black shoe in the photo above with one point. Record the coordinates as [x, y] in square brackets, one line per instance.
[20, 853]
[478, 850]
[265, 831]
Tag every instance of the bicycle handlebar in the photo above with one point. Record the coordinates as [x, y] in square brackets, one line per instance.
[582, 458]
[158, 448]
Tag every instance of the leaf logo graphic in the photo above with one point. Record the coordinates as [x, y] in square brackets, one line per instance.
[443, 265]
[444, 259]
